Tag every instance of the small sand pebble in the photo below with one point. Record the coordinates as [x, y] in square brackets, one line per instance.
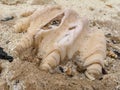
[91, 9]
[111, 54]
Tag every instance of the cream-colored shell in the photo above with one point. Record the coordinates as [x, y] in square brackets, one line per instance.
[53, 43]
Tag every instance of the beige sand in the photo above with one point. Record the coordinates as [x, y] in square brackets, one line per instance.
[23, 75]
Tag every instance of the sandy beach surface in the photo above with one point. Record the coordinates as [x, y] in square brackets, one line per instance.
[24, 75]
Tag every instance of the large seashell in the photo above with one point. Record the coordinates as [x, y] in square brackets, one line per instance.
[54, 33]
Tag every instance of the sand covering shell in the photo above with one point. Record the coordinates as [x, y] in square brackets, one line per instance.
[54, 33]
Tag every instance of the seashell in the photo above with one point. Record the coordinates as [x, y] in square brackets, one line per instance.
[61, 35]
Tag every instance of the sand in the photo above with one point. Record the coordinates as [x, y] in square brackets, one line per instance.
[23, 75]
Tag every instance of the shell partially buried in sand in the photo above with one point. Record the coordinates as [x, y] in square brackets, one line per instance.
[55, 33]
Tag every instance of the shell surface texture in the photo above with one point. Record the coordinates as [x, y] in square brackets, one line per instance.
[54, 33]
